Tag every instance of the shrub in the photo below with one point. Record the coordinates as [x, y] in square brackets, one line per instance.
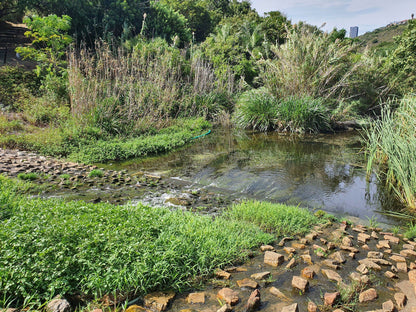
[28, 176]
[256, 109]
[303, 114]
[96, 173]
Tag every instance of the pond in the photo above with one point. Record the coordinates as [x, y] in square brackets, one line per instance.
[325, 171]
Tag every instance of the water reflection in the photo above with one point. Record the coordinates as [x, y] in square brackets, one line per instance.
[322, 171]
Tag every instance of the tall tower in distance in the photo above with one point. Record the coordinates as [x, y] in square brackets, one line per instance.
[353, 31]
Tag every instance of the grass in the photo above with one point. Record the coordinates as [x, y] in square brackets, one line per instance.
[274, 218]
[31, 176]
[96, 173]
[391, 144]
[52, 247]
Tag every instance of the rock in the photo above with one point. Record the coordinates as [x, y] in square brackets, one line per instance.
[398, 258]
[308, 273]
[407, 253]
[307, 259]
[350, 249]
[338, 257]
[392, 239]
[311, 236]
[253, 301]
[346, 241]
[136, 308]
[276, 292]
[222, 274]
[400, 299]
[401, 267]
[266, 248]
[380, 261]
[247, 282]
[365, 247]
[412, 266]
[312, 307]
[331, 246]
[330, 298]
[412, 276]
[272, 258]
[298, 246]
[351, 255]
[390, 274]
[408, 246]
[158, 301]
[289, 250]
[408, 289]
[359, 278]
[260, 276]
[374, 235]
[291, 308]
[359, 229]
[291, 263]
[370, 264]
[240, 269]
[362, 237]
[375, 255]
[194, 298]
[229, 296]
[283, 241]
[331, 263]
[332, 275]
[225, 308]
[58, 305]
[388, 306]
[383, 244]
[368, 295]
[300, 283]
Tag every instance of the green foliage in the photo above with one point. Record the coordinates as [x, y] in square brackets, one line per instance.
[391, 143]
[11, 10]
[274, 218]
[410, 231]
[31, 176]
[49, 43]
[303, 114]
[7, 125]
[96, 173]
[52, 247]
[256, 109]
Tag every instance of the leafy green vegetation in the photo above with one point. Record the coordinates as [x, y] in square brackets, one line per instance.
[274, 218]
[28, 176]
[96, 173]
[53, 247]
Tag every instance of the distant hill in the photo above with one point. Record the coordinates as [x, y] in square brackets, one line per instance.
[382, 39]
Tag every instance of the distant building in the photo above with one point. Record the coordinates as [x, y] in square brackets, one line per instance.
[354, 32]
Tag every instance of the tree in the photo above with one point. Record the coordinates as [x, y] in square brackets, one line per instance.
[11, 10]
[275, 26]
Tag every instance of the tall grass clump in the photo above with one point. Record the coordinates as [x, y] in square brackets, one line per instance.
[256, 109]
[303, 114]
[309, 63]
[52, 247]
[279, 219]
[391, 143]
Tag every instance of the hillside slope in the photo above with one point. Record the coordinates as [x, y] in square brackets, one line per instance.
[381, 39]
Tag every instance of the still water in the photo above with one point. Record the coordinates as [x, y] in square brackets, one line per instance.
[323, 171]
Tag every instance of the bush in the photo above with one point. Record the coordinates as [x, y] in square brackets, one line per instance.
[303, 114]
[256, 109]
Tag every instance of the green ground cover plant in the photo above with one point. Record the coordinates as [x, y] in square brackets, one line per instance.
[96, 173]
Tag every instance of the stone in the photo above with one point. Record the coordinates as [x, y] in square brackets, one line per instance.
[222, 274]
[351, 255]
[401, 267]
[330, 298]
[331, 245]
[398, 258]
[388, 306]
[311, 236]
[276, 292]
[375, 255]
[312, 307]
[390, 274]
[374, 235]
[331, 263]
[194, 298]
[283, 241]
[308, 272]
[266, 248]
[350, 249]
[408, 246]
[362, 269]
[272, 258]
[338, 257]
[300, 283]
[392, 239]
[158, 301]
[412, 276]
[359, 229]
[368, 295]
[412, 266]
[370, 264]
[407, 253]
[307, 259]
[291, 308]
[359, 278]
[346, 241]
[400, 299]
[365, 247]
[260, 276]
[240, 269]
[380, 261]
[58, 305]
[135, 308]
[332, 275]
[298, 246]
[228, 296]
[363, 238]
[253, 301]
[289, 250]
[383, 244]
[225, 308]
[291, 264]
[247, 282]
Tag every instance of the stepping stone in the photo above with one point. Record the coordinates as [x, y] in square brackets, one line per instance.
[331, 263]
[228, 296]
[224, 308]
[283, 241]
[289, 250]
[308, 273]
[368, 295]
[194, 298]
[388, 306]
[291, 308]
[307, 259]
[300, 283]
[412, 276]
[272, 258]
[222, 274]
[276, 292]
[398, 258]
[291, 263]
[363, 237]
[408, 246]
[266, 248]
[362, 269]
[330, 298]
[253, 301]
[158, 301]
[260, 276]
[370, 264]
[312, 307]
[407, 253]
[390, 274]
[247, 282]
[400, 299]
[401, 267]
[346, 241]
[375, 255]
[298, 246]
[392, 239]
[383, 244]
[338, 257]
[332, 275]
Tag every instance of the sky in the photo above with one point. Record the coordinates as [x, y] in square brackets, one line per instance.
[366, 14]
